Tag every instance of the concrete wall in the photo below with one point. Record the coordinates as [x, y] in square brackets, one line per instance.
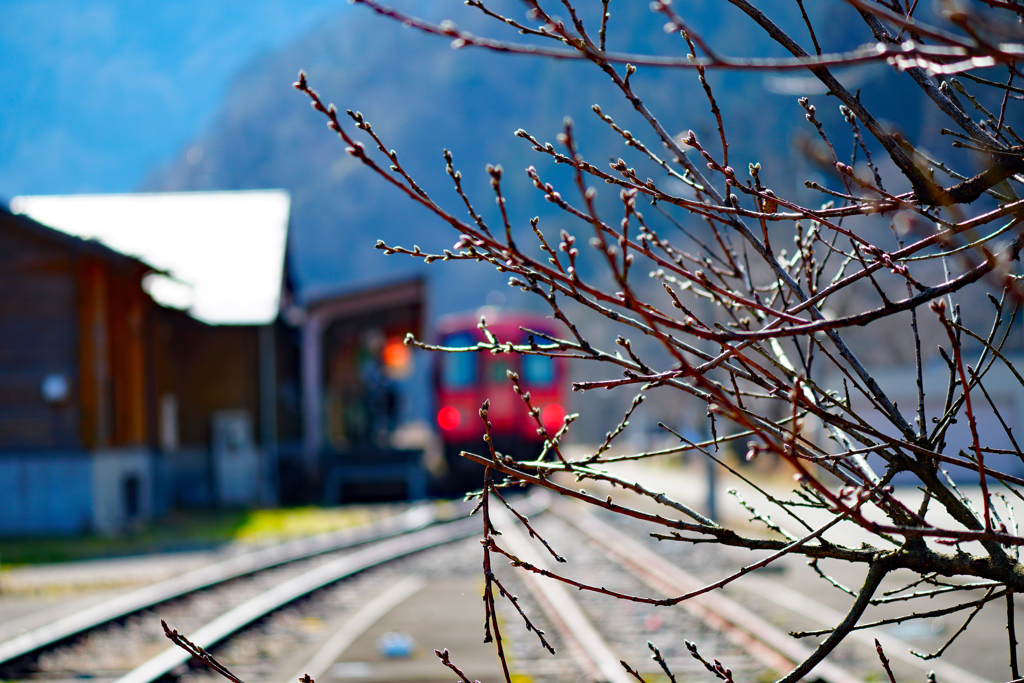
[122, 489]
[45, 493]
[191, 476]
[55, 493]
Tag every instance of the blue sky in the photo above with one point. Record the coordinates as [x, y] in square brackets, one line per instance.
[95, 93]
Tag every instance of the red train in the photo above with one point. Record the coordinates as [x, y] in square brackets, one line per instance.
[462, 381]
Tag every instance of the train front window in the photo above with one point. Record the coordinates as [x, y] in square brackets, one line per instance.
[458, 370]
[497, 370]
[538, 370]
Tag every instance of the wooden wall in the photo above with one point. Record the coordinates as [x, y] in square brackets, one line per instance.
[114, 316]
[78, 309]
[130, 310]
[207, 368]
[38, 337]
[71, 308]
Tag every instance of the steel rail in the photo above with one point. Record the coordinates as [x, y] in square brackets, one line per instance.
[775, 649]
[50, 634]
[895, 648]
[297, 587]
[581, 637]
[373, 555]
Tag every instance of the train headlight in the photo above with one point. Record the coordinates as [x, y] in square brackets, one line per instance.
[552, 416]
[448, 418]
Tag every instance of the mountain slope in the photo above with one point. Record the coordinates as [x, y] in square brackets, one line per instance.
[421, 96]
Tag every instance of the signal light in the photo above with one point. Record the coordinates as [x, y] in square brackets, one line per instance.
[448, 418]
[552, 416]
[396, 358]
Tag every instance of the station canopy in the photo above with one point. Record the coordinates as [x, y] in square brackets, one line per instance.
[221, 254]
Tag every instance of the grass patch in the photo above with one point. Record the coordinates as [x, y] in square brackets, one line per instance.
[192, 530]
[260, 525]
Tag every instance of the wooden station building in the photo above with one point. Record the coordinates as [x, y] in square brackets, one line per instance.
[140, 356]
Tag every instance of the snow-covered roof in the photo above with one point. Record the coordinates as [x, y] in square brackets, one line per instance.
[223, 251]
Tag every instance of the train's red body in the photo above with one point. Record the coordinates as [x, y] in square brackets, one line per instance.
[462, 381]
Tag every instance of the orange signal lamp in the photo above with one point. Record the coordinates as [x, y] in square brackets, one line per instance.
[396, 357]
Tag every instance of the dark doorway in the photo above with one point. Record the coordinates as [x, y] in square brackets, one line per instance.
[131, 494]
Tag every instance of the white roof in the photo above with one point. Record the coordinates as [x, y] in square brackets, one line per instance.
[224, 251]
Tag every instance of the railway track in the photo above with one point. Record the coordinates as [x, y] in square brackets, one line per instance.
[772, 647]
[358, 589]
[722, 628]
[748, 619]
[587, 627]
[19, 655]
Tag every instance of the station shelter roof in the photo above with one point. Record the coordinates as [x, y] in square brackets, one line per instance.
[222, 253]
